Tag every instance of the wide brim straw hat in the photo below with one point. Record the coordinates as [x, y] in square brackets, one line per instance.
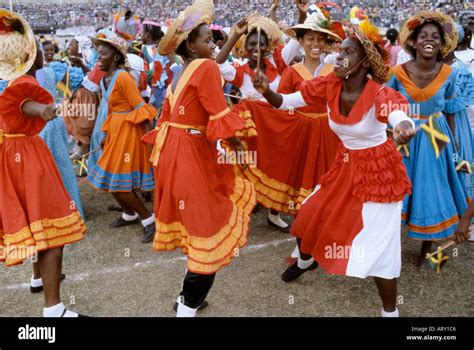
[17, 46]
[200, 12]
[316, 21]
[422, 17]
[109, 37]
[264, 24]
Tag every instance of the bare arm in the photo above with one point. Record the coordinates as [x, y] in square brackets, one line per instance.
[239, 29]
[303, 9]
[273, 9]
[34, 109]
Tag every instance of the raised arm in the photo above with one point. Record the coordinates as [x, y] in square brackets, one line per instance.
[239, 28]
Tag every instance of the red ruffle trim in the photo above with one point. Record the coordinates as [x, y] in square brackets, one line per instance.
[224, 127]
[378, 173]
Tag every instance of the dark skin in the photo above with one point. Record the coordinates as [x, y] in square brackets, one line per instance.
[75, 57]
[49, 263]
[203, 47]
[109, 59]
[48, 52]
[356, 70]
[422, 71]
[251, 44]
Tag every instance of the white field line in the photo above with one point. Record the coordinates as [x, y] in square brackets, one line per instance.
[114, 270]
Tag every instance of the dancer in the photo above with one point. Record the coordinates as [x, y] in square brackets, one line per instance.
[274, 59]
[350, 224]
[37, 216]
[123, 166]
[429, 85]
[201, 206]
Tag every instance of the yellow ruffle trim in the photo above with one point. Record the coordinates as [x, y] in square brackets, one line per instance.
[40, 235]
[208, 255]
[274, 194]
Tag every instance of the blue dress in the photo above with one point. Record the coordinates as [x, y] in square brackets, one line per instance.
[55, 136]
[464, 136]
[158, 89]
[97, 134]
[439, 194]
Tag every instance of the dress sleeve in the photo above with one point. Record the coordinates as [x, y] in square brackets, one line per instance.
[13, 98]
[231, 73]
[285, 54]
[223, 123]
[76, 75]
[393, 83]
[452, 104]
[314, 91]
[59, 69]
[141, 111]
[387, 101]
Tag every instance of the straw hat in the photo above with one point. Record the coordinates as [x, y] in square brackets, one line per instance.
[266, 25]
[318, 22]
[17, 46]
[422, 17]
[368, 35]
[107, 36]
[202, 11]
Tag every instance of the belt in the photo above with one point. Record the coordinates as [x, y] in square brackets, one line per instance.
[163, 133]
[3, 136]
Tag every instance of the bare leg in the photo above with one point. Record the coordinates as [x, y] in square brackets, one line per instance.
[50, 265]
[388, 292]
[36, 271]
[130, 200]
[123, 204]
[425, 249]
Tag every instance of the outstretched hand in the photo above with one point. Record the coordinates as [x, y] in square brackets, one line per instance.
[403, 132]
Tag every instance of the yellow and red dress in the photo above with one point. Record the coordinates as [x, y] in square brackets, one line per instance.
[36, 212]
[123, 165]
[200, 203]
[294, 148]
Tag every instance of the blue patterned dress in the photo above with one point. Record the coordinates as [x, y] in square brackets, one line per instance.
[55, 136]
[439, 195]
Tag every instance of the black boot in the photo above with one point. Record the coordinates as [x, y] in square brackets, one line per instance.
[148, 233]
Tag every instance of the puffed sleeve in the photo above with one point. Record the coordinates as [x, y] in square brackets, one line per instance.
[76, 75]
[314, 91]
[452, 103]
[388, 101]
[232, 73]
[141, 111]
[464, 84]
[283, 55]
[223, 123]
[13, 98]
[59, 69]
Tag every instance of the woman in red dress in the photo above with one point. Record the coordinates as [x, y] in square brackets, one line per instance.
[37, 216]
[201, 206]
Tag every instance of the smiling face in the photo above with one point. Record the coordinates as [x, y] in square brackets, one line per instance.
[350, 55]
[428, 41]
[313, 43]
[48, 52]
[202, 44]
[251, 46]
[73, 48]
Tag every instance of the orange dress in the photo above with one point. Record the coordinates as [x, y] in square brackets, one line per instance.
[36, 212]
[293, 148]
[123, 165]
[200, 204]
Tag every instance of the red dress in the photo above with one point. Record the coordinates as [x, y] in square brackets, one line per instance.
[200, 204]
[293, 148]
[36, 212]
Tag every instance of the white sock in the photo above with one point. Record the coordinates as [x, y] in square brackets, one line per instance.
[184, 311]
[304, 264]
[148, 221]
[295, 253]
[36, 282]
[391, 313]
[127, 217]
[277, 220]
[57, 310]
